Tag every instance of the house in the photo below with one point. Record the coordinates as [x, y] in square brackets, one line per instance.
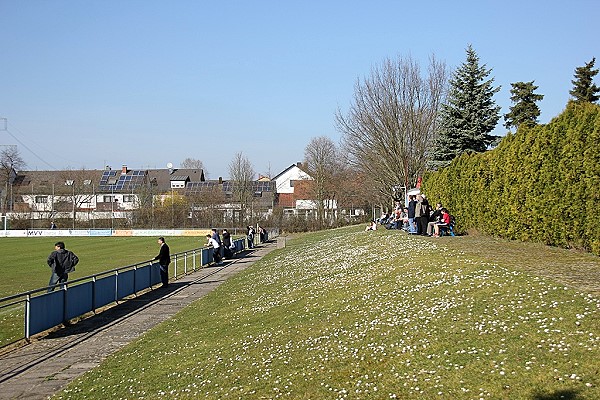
[116, 193]
[87, 195]
[292, 186]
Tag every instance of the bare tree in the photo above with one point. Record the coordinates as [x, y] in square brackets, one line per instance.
[241, 173]
[192, 163]
[77, 186]
[391, 123]
[10, 162]
[320, 162]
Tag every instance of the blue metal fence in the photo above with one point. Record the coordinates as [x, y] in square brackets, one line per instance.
[75, 298]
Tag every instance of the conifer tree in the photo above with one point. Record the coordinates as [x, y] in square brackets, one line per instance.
[525, 110]
[584, 88]
[469, 113]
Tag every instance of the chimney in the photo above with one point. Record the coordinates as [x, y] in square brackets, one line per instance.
[299, 164]
[220, 180]
[124, 170]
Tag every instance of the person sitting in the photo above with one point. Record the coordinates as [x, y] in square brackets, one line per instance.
[394, 221]
[444, 222]
[372, 226]
[405, 220]
[436, 216]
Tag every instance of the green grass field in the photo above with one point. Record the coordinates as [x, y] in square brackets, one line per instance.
[348, 314]
[24, 264]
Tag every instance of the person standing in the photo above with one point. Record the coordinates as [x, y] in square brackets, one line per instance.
[250, 237]
[164, 259]
[215, 235]
[227, 244]
[423, 220]
[412, 204]
[61, 261]
[216, 249]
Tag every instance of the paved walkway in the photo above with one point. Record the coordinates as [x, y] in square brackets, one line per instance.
[43, 367]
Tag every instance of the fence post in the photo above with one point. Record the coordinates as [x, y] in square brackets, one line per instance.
[65, 299]
[94, 294]
[117, 286]
[134, 275]
[27, 316]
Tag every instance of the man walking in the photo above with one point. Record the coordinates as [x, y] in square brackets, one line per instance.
[61, 261]
[164, 259]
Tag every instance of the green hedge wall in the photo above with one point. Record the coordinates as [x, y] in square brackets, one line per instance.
[540, 184]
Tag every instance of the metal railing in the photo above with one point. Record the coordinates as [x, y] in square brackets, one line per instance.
[40, 310]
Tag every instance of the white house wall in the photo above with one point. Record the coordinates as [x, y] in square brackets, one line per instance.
[293, 174]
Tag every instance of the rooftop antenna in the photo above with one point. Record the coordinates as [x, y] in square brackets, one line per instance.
[170, 166]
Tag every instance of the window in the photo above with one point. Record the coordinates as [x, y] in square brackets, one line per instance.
[128, 198]
[109, 199]
[292, 182]
[41, 199]
[177, 184]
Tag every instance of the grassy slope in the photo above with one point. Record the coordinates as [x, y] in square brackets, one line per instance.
[24, 259]
[360, 315]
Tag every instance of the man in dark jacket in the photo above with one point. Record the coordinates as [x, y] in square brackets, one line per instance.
[164, 259]
[59, 262]
[227, 244]
[412, 225]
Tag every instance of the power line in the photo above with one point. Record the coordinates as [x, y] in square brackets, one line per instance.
[26, 147]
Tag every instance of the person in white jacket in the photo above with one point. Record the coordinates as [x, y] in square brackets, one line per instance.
[216, 249]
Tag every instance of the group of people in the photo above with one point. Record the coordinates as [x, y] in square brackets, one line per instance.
[214, 241]
[251, 233]
[62, 261]
[417, 217]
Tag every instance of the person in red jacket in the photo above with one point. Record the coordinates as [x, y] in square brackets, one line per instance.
[444, 221]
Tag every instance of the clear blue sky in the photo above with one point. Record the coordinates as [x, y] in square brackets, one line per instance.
[143, 82]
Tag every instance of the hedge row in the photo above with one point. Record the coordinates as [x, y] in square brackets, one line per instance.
[541, 184]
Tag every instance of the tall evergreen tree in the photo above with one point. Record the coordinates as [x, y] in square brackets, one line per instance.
[584, 88]
[525, 110]
[469, 114]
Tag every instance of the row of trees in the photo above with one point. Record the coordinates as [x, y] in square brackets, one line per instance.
[403, 122]
[540, 184]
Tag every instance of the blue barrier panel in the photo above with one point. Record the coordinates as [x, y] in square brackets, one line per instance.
[46, 311]
[125, 284]
[155, 279]
[143, 276]
[105, 291]
[79, 300]
[206, 256]
[239, 245]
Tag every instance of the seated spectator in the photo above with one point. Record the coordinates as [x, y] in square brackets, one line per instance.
[444, 222]
[397, 220]
[405, 220]
[435, 217]
[437, 213]
[371, 227]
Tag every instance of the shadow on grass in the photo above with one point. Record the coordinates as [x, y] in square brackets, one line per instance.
[566, 394]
